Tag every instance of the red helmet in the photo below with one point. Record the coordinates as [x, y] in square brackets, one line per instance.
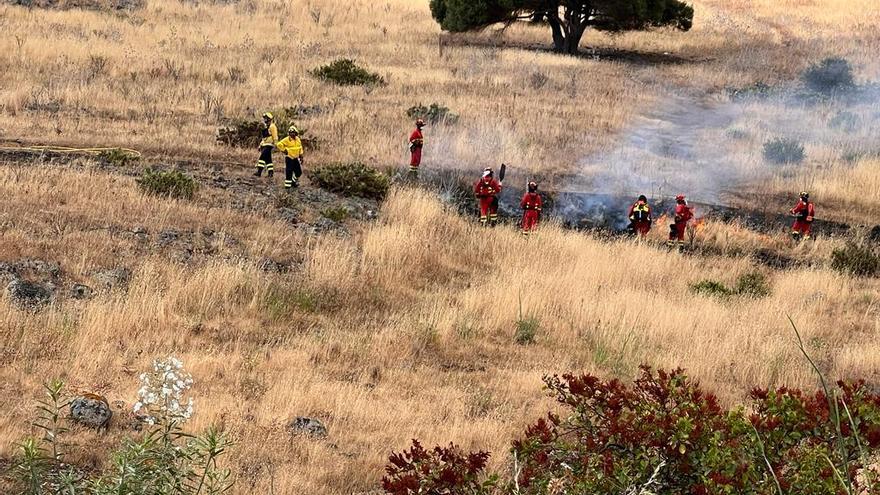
[680, 197]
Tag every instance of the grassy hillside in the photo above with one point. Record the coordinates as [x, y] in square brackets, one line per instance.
[405, 326]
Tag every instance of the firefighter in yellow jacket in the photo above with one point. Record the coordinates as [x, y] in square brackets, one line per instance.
[292, 148]
[268, 138]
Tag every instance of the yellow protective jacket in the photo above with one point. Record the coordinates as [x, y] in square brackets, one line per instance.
[291, 147]
[269, 135]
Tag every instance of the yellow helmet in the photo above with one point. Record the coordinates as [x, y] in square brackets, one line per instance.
[292, 130]
[268, 115]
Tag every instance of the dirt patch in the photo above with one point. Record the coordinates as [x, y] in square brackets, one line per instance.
[80, 4]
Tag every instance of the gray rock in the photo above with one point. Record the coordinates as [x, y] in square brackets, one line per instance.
[182, 256]
[166, 237]
[272, 266]
[30, 295]
[113, 278]
[90, 410]
[140, 233]
[38, 268]
[289, 214]
[7, 273]
[307, 426]
[80, 291]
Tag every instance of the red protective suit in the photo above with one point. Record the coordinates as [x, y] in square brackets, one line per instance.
[486, 189]
[531, 204]
[640, 216]
[683, 214]
[416, 141]
[803, 224]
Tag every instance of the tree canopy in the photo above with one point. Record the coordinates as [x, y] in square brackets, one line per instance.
[568, 19]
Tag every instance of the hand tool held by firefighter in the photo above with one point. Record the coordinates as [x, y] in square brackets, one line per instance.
[501, 172]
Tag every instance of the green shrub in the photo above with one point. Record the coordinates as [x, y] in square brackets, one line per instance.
[281, 302]
[753, 284]
[171, 184]
[345, 72]
[856, 259]
[335, 213]
[783, 151]
[737, 134]
[117, 157]
[289, 201]
[526, 329]
[711, 288]
[351, 179]
[830, 76]
[245, 133]
[433, 114]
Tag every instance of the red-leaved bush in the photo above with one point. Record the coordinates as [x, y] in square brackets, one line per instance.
[443, 470]
[664, 434]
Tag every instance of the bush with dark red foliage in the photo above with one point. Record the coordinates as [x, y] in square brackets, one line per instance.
[666, 435]
[439, 471]
[616, 437]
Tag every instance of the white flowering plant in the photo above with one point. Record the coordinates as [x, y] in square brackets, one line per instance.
[162, 397]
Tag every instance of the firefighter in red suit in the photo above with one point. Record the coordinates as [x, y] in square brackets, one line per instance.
[486, 190]
[803, 213]
[416, 142]
[531, 204]
[640, 216]
[683, 214]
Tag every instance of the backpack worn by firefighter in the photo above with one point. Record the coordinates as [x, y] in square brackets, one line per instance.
[640, 216]
[803, 212]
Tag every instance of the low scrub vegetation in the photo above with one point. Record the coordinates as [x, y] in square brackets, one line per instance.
[352, 179]
[665, 434]
[170, 184]
[856, 258]
[439, 470]
[782, 151]
[830, 76]
[335, 213]
[118, 157]
[526, 329]
[345, 72]
[752, 284]
[434, 114]
[245, 133]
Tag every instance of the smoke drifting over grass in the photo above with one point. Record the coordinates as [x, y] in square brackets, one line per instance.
[709, 146]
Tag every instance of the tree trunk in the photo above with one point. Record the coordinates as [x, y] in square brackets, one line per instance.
[567, 32]
[558, 36]
[574, 38]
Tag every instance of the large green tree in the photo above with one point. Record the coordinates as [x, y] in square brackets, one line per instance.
[568, 19]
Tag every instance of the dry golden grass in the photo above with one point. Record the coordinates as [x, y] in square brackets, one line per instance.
[412, 333]
[404, 329]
